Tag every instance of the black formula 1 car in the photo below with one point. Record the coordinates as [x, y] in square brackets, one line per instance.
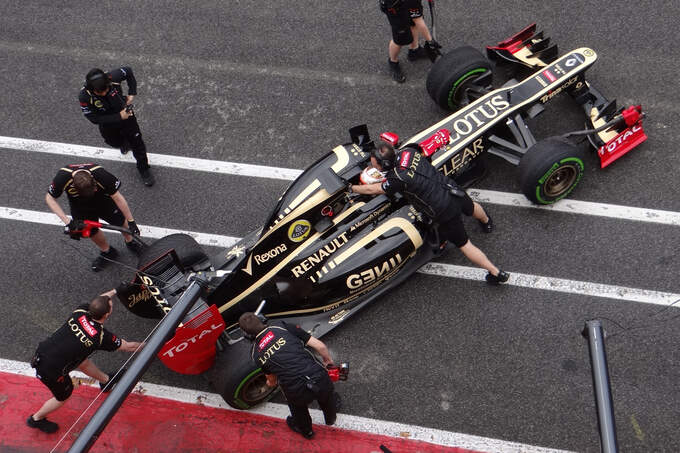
[324, 253]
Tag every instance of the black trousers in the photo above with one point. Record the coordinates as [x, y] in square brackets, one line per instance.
[127, 133]
[299, 400]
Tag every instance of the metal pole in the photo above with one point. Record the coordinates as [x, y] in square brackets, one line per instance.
[139, 365]
[603, 397]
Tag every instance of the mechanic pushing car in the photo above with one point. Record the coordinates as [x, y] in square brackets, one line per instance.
[93, 193]
[280, 351]
[436, 196]
[68, 348]
[103, 103]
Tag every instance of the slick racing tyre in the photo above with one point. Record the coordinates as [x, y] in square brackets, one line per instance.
[236, 378]
[550, 170]
[189, 252]
[456, 76]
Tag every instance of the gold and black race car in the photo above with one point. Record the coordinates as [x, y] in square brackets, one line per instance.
[325, 253]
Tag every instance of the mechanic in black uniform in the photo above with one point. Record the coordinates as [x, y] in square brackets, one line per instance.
[434, 195]
[103, 103]
[407, 23]
[68, 349]
[93, 193]
[280, 351]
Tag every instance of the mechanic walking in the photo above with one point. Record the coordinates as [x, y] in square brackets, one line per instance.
[434, 195]
[280, 351]
[93, 193]
[103, 103]
[68, 349]
[407, 24]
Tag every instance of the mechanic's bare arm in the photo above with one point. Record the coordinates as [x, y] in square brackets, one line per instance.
[367, 189]
[109, 293]
[130, 346]
[321, 348]
[55, 207]
[121, 202]
[90, 369]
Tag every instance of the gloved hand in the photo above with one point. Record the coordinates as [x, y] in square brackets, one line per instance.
[132, 226]
[432, 49]
[73, 229]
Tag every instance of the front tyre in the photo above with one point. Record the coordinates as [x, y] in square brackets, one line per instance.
[550, 170]
[458, 77]
[236, 378]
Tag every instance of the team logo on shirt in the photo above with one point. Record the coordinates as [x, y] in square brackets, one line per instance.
[85, 324]
[266, 340]
[405, 157]
[98, 104]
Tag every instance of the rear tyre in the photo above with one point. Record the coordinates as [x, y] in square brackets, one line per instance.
[454, 75]
[189, 252]
[236, 378]
[550, 170]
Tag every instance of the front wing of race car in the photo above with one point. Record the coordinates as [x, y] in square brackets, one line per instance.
[612, 131]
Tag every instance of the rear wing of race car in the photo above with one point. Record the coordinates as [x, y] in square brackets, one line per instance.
[612, 131]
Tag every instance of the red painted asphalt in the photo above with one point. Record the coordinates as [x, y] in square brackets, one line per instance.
[149, 424]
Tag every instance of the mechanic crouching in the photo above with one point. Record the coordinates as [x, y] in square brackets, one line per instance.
[280, 351]
[436, 196]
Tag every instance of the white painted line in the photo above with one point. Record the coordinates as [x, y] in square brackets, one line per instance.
[440, 269]
[349, 422]
[288, 174]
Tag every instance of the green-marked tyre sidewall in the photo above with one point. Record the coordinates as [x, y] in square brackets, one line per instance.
[237, 392]
[452, 92]
[451, 71]
[541, 161]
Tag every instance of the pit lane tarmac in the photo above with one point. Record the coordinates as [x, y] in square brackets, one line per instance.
[165, 419]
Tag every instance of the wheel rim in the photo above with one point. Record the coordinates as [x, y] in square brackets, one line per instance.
[256, 390]
[560, 181]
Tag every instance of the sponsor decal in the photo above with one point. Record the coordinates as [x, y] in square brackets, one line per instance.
[373, 274]
[236, 251]
[414, 164]
[405, 156]
[134, 299]
[273, 253]
[320, 255]
[545, 98]
[91, 331]
[479, 116]
[620, 140]
[461, 158]
[271, 351]
[339, 316]
[299, 230]
[372, 216]
[549, 75]
[192, 340]
[78, 332]
[265, 341]
[155, 293]
[98, 104]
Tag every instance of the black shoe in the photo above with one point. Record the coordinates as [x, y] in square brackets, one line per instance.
[502, 277]
[395, 70]
[488, 226]
[124, 150]
[432, 49]
[291, 424]
[416, 54]
[43, 425]
[135, 247]
[147, 177]
[102, 260]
